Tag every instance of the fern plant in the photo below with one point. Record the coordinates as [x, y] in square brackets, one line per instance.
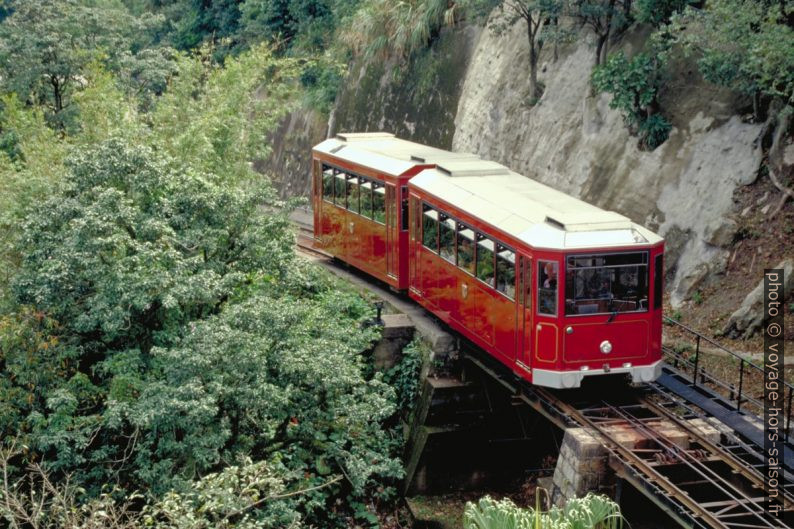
[388, 27]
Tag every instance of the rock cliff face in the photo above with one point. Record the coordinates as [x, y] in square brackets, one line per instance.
[289, 165]
[417, 102]
[469, 93]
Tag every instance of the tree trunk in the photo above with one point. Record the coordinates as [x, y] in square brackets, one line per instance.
[56, 93]
[600, 41]
[603, 40]
[533, 74]
[533, 62]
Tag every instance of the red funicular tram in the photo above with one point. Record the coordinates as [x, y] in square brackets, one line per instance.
[555, 288]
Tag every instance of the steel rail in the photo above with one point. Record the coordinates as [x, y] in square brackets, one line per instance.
[748, 471]
[631, 459]
[736, 498]
[634, 469]
[304, 242]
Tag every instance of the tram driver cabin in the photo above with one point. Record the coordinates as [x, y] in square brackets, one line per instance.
[555, 288]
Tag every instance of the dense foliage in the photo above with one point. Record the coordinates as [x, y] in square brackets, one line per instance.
[742, 44]
[188, 336]
[405, 376]
[157, 332]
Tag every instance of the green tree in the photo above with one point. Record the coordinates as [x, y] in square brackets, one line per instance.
[604, 17]
[534, 14]
[216, 118]
[744, 45]
[658, 12]
[634, 84]
[213, 118]
[309, 21]
[187, 336]
[32, 169]
[271, 375]
[196, 21]
[46, 46]
[144, 242]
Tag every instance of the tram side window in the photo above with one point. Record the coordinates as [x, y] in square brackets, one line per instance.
[365, 197]
[339, 190]
[446, 238]
[485, 259]
[352, 193]
[379, 203]
[430, 229]
[404, 208]
[328, 184]
[658, 272]
[465, 241]
[506, 271]
[547, 287]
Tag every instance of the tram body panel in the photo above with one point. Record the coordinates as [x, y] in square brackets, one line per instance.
[554, 288]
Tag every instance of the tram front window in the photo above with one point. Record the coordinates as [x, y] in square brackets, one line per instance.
[606, 283]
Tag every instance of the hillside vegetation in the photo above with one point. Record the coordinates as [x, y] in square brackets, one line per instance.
[166, 360]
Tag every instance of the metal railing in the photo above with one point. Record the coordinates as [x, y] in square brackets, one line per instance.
[747, 370]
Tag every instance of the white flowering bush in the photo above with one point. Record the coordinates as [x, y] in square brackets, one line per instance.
[591, 512]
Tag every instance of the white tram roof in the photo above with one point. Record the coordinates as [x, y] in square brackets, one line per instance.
[382, 150]
[519, 206]
[528, 210]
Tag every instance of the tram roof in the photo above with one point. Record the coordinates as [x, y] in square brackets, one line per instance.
[528, 210]
[515, 204]
[385, 152]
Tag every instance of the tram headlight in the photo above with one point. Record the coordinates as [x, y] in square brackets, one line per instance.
[606, 347]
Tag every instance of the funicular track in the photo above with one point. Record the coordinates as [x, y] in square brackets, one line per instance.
[305, 240]
[702, 484]
[706, 484]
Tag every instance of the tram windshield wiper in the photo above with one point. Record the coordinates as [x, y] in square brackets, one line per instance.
[612, 316]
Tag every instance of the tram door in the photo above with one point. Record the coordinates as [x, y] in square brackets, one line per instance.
[524, 317]
[392, 236]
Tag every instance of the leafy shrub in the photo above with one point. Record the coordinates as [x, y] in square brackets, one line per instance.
[591, 512]
[747, 46]
[634, 84]
[245, 495]
[658, 12]
[404, 377]
[654, 131]
[382, 27]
